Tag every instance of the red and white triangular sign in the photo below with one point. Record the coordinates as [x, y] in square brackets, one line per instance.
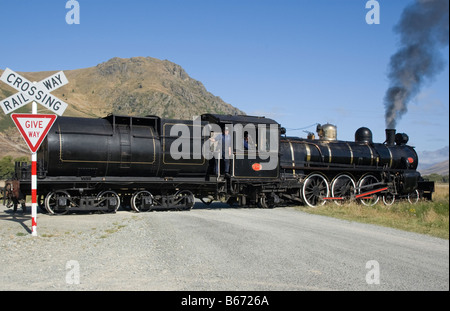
[33, 127]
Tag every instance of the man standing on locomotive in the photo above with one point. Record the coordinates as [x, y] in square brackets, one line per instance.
[223, 150]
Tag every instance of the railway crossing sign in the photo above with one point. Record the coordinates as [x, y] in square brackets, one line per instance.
[29, 91]
[33, 127]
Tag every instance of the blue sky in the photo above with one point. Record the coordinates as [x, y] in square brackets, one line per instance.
[298, 62]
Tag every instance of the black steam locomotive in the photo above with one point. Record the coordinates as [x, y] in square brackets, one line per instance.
[149, 163]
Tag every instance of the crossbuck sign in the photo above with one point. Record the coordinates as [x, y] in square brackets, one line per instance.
[33, 127]
[29, 91]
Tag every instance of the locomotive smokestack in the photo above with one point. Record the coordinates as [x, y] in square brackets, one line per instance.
[390, 137]
[423, 30]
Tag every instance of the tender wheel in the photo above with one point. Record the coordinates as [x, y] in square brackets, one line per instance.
[343, 186]
[142, 201]
[365, 186]
[108, 201]
[413, 197]
[184, 199]
[315, 188]
[264, 202]
[57, 202]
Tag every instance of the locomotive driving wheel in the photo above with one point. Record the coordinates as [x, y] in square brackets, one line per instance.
[343, 187]
[315, 188]
[367, 184]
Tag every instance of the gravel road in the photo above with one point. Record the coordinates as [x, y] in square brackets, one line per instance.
[215, 248]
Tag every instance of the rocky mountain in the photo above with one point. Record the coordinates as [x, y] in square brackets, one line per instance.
[136, 86]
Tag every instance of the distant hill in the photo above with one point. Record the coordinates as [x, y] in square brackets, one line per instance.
[135, 86]
[440, 168]
[434, 162]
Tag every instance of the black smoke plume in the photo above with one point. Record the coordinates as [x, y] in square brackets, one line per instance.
[423, 30]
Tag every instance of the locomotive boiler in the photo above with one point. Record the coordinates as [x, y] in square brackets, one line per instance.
[342, 170]
[149, 163]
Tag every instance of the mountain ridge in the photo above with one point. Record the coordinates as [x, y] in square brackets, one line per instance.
[136, 86]
[441, 168]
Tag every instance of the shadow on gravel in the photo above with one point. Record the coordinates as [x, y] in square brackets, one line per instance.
[219, 206]
[18, 217]
[197, 206]
[21, 217]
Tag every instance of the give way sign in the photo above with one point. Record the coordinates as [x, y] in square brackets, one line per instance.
[33, 127]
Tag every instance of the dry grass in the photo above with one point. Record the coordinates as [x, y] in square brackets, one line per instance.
[424, 217]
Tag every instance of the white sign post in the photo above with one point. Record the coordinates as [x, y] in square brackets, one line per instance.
[33, 127]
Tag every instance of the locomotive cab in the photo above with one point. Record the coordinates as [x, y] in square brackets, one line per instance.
[254, 143]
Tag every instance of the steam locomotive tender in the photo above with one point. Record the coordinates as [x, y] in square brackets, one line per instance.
[149, 163]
